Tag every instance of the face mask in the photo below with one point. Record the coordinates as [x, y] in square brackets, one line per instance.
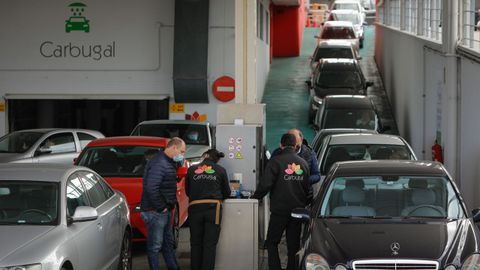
[178, 158]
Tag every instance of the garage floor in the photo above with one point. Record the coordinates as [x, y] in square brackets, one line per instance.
[286, 97]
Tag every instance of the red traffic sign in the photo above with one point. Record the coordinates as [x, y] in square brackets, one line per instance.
[224, 88]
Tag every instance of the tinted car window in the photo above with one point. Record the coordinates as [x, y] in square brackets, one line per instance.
[59, 143]
[348, 118]
[19, 141]
[25, 202]
[339, 78]
[108, 190]
[84, 139]
[76, 195]
[95, 190]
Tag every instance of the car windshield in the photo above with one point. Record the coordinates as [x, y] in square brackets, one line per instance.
[28, 203]
[344, 152]
[349, 17]
[339, 79]
[346, 6]
[350, 118]
[333, 53]
[119, 161]
[338, 33]
[401, 196]
[192, 134]
[19, 141]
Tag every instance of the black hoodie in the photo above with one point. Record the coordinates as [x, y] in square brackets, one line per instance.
[286, 177]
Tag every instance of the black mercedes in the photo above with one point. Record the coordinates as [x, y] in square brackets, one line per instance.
[389, 215]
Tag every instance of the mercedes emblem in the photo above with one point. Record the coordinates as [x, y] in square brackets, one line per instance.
[395, 247]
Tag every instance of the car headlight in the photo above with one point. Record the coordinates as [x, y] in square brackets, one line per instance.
[472, 262]
[23, 267]
[316, 262]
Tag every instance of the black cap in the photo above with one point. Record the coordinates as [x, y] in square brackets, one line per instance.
[288, 140]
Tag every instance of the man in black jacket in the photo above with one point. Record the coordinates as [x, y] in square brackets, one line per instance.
[158, 200]
[286, 177]
[206, 186]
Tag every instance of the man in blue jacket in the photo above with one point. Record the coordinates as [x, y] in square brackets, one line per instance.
[158, 200]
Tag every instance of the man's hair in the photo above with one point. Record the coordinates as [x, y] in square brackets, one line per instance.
[175, 141]
[297, 130]
[288, 140]
[213, 155]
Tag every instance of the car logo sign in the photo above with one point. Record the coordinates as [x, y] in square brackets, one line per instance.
[395, 247]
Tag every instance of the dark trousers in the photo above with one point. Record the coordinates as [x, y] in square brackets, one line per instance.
[276, 226]
[204, 234]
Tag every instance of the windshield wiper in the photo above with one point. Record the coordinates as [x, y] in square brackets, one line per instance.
[423, 217]
[376, 217]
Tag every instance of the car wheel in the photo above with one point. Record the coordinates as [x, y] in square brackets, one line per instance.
[176, 227]
[125, 260]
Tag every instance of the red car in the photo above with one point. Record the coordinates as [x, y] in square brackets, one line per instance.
[120, 161]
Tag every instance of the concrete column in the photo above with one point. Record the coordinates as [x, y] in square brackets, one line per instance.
[245, 51]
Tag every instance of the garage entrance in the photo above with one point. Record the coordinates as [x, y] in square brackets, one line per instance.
[111, 117]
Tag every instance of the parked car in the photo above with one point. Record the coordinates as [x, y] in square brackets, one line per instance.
[121, 161]
[387, 214]
[352, 16]
[332, 49]
[320, 136]
[59, 217]
[348, 111]
[369, 8]
[341, 30]
[184, 129]
[48, 145]
[349, 4]
[336, 77]
[362, 146]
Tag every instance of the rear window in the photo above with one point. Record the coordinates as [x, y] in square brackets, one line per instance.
[338, 33]
[346, 6]
[333, 53]
[192, 134]
[348, 118]
[119, 161]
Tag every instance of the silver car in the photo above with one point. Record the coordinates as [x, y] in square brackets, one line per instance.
[59, 217]
[197, 135]
[49, 145]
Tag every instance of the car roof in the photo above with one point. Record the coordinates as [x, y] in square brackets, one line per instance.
[338, 24]
[338, 64]
[346, 1]
[365, 138]
[165, 121]
[334, 43]
[345, 130]
[47, 130]
[344, 11]
[388, 167]
[130, 140]
[347, 101]
[36, 171]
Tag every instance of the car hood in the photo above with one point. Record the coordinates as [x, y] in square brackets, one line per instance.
[195, 151]
[19, 239]
[344, 240]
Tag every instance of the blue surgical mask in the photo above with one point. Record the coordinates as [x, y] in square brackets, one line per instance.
[178, 158]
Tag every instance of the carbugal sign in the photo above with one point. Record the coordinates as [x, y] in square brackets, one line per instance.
[50, 49]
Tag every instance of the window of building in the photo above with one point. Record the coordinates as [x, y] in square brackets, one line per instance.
[470, 25]
[394, 13]
[411, 16]
[432, 19]
[261, 21]
[267, 27]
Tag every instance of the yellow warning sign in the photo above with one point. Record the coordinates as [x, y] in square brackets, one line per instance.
[2, 106]
[238, 156]
[177, 108]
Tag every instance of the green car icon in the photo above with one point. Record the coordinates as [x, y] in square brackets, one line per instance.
[75, 23]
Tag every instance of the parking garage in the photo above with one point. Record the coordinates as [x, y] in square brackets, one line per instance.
[234, 64]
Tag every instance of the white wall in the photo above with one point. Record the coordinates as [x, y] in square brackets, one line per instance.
[410, 69]
[143, 32]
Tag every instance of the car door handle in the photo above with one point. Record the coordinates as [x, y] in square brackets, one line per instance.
[99, 226]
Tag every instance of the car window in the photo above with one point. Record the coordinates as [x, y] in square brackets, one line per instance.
[108, 190]
[76, 195]
[95, 191]
[391, 196]
[338, 33]
[19, 141]
[84, 139]
[192, 134]
[339, 79]
[353, 6]
[344, 52]
[59, 143]
[349, 17]
[349, 118]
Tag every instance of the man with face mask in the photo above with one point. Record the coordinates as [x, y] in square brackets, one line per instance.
[158, 200]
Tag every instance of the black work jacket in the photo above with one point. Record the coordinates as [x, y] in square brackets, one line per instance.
[159, 183]
[207, 180]
[286, 177]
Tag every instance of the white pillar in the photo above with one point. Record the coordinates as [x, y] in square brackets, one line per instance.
[245, 51]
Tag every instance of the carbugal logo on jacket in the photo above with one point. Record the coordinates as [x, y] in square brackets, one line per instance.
[293, 172]
[204, 172]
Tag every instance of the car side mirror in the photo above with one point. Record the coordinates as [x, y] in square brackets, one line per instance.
[316, 36]
[369, 83]
[42, 151]
[365, 23]
[84, 213]
[476, 215]
[181, 172]
[301, 214]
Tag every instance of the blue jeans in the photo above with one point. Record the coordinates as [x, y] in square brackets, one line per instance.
[159, 238]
